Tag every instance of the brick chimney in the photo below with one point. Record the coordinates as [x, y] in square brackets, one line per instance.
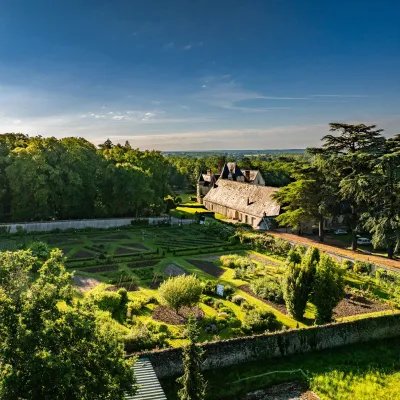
[209, 172]
[220, 165]
[247, 174]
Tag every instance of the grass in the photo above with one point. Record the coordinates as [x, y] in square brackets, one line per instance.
[364, 372]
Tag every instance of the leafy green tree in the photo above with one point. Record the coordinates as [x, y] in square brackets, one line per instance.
[328, 288]
[298, 281]
[53, 352]
[349, 156]
[382, 218]
[192, 381]
[309, 198]
[180, 291]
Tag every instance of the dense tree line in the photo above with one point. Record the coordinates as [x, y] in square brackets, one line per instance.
[354, 176]
[46, 178]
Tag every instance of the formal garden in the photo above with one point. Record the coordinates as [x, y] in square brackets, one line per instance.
[147, 280]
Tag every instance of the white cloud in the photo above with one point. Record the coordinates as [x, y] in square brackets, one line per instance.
[339, 95]
[169, 45]
[230, 96]
[188, 47]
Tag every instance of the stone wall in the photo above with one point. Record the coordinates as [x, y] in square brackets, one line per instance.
[225, 353]
[49, 226]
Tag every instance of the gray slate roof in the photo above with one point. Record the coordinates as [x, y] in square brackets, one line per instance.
[149, 386]
[237, 195]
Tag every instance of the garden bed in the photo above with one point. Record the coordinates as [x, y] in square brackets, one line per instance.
[146, 263]
[57, 240]
[64, 249]
[118, 237]
[355, 305]
[173, 270]
[122, 250]
[279, 307]
[169, 316]
[208, 267]
[82, 254]
[104, 268]
[136, 246]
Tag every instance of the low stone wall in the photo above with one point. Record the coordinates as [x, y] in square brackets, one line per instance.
[49, 226]
[225, 353]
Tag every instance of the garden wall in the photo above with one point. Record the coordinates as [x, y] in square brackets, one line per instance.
[83, 223]
[225, 353]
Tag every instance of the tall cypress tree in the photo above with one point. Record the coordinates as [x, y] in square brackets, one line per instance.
[298, 281]
[192, 381]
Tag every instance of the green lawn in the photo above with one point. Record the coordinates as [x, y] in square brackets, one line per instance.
[364, 372]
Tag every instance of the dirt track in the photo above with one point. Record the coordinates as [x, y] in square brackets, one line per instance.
[338, 251]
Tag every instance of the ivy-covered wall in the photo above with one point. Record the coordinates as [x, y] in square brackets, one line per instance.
[236, 351]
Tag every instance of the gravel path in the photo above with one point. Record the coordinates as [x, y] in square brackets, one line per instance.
[384, 262]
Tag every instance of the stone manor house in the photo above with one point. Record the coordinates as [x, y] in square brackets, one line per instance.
[239, 195]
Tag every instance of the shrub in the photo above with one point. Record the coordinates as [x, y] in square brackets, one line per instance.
[281, 247]
[347, 264]
[259, 320]
[328, 289]
[108, 301]
[362, 267]
[4, 229]
[151, 300]
[209, 287]
[208, 300]
[184, 290]
[219, 304]
[268, 288]
[228, 291]
[238, 300]
[228, 261]
[141, 337]
[134, 307]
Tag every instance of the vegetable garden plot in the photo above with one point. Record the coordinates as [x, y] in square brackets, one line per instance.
[7, 245]
[355, 305]
[208, 267]
[169, 316]
[146, 263]
[104, 268]
[118, 237]
[82, 254]
[136, 246]
[122, 250]
[280, 307]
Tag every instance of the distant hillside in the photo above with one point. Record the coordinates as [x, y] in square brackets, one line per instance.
[236, 153]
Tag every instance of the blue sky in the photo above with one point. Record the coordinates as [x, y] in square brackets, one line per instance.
[200, 74]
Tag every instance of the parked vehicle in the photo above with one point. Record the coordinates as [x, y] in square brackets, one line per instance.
[340, 232]
[364, 241]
